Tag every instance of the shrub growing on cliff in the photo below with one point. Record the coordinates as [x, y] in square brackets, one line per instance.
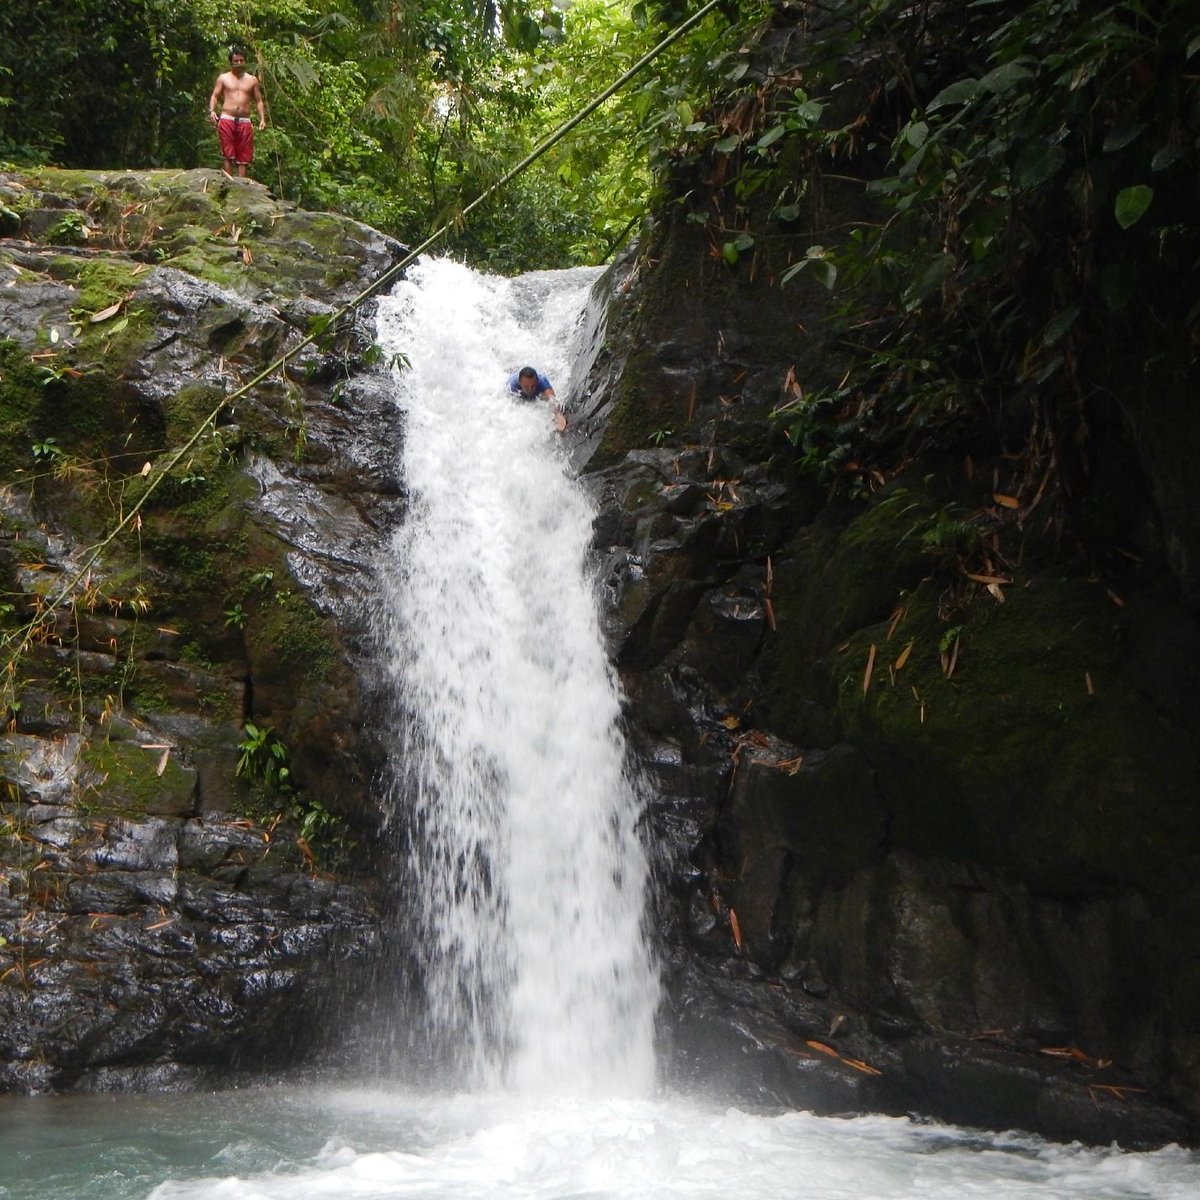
[1037, 224]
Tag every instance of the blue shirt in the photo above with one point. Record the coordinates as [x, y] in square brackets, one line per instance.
[543, 384]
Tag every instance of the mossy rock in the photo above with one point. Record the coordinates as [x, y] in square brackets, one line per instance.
[20, 402]
[133, 780]
[849, 568]
[289, 638]
[1034, 752]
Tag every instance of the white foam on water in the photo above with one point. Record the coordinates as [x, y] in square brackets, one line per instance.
[502, 1147]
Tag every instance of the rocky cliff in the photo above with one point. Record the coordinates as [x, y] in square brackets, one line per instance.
[186, 756]
[923, 755]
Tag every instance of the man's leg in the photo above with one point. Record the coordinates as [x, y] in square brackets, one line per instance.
[246, 146]
[226, 135]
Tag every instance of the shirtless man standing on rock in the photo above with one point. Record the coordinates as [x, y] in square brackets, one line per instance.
[235, 91]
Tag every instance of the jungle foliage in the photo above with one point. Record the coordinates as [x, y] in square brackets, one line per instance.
[1032, 264]
[397, 112]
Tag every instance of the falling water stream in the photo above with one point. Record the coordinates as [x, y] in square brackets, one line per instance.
[529, 880]
[526, 863]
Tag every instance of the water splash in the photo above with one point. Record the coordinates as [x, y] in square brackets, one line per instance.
[512, 773]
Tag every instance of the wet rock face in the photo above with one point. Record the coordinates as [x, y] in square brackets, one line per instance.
[144, 953]
[160, 916]
[896, 875]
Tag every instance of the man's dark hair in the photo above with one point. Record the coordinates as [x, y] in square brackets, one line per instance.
[527, 373]
[236, 50]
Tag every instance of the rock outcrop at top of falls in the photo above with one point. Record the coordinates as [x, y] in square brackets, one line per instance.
[165, 914]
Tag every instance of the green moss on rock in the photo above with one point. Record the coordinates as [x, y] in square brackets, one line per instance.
[289, 636]
[135, 781]
[1035, 752]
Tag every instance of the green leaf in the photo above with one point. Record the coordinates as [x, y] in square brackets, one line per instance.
[935, 274]
[1054, 365]
[1168, 155]
[1131, 204]
[915, 133]
[1005, 77]
[793, 271]
[1119, 138]
[911, 167]
[956, 93]
[772, 135]
[1037, 163]
[806, 114]
[1118, 281]
[726, 144]
[1059, 324]
[825, 271]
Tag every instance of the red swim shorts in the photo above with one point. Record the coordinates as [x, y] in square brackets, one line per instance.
[237, 139]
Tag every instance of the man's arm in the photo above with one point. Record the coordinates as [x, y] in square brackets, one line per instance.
[215, 99]
[262, 105]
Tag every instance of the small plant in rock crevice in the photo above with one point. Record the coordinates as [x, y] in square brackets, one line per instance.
[264, 759]
[321, 835]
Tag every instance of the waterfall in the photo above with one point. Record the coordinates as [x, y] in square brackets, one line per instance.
[511, 771]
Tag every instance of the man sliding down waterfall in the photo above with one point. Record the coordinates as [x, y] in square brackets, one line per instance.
[530, 385]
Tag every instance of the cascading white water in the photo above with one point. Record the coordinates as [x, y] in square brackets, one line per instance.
[529, 872]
